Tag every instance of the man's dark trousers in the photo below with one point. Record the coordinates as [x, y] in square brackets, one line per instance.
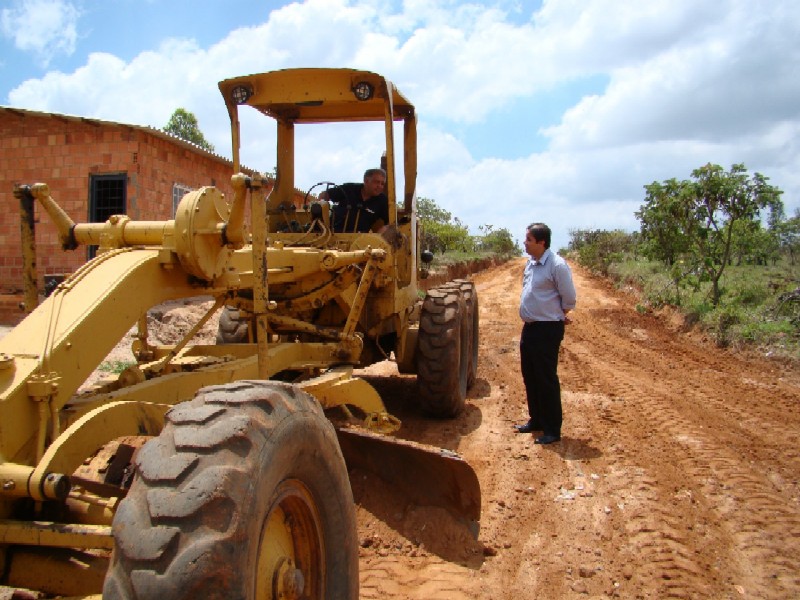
[538, 348]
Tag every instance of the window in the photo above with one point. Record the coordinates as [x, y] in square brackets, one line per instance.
[107, 197]
[178, 192]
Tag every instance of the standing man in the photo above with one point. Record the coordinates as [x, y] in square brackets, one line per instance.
[548, 294]
[360, 207]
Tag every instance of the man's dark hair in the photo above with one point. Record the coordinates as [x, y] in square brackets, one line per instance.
[540, 232]
[370, 172]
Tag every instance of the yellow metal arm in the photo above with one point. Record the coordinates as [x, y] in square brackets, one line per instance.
[64, 224]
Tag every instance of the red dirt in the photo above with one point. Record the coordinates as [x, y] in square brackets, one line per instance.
[678, 474]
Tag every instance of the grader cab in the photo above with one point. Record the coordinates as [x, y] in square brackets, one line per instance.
[214, 471]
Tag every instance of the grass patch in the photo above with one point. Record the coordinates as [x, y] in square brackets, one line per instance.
[115, 366]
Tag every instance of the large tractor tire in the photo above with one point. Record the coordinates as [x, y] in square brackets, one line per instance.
[233, 326]
[472, 315]
[244, 494]
[443, 352]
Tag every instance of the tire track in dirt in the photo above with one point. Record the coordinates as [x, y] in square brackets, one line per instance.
[756, 525]
[656, 538]
[678, 475]
[712, 378]
[425, 580]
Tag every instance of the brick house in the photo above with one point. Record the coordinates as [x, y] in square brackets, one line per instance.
[94, 169]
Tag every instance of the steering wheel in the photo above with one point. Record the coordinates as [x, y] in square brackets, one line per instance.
[328, 185]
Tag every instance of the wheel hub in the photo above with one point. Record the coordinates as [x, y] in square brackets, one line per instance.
[288, 582]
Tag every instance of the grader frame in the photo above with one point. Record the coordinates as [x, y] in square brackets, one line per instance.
[321, 303]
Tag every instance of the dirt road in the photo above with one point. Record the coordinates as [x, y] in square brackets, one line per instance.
[678, 475]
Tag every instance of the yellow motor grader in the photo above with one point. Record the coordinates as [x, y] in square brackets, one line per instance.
[216, 471]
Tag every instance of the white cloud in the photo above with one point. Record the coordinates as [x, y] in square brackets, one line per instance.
[44, 27]
[688, 82]
[722, 85]
[144, 91]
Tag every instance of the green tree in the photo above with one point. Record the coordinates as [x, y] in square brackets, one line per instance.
[788, 232]
[430, 212]
[698, 218]
[661, 218]
[440, 231]
[598, 248]
[448, 236]
[183, 124]
[499, 241]
[753, 244]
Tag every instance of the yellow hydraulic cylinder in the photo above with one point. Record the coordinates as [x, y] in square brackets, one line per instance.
[22, 481]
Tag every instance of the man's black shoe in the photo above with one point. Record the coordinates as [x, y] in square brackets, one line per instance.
[547, 439]
[528, 427]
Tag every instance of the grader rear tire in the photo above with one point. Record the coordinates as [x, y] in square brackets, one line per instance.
[443, 352]
[245, 494]
[473, 319]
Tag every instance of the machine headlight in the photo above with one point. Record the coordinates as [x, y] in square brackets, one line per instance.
[363, 90]
[241, 93]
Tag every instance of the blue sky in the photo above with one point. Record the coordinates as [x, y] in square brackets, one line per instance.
[557, 111]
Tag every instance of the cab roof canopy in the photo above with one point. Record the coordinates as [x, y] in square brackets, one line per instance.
[294, 96]
[317, 95]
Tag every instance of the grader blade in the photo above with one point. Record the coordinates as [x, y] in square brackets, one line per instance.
[429, 476]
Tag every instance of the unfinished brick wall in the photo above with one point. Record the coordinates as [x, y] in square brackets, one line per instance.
[64, 152]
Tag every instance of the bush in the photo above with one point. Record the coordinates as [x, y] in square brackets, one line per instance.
[759, 303]
[751, 294]
[598, 250]
[761, 306]
[720, 322]
[768, 332]
[654, 286]
[115, 366]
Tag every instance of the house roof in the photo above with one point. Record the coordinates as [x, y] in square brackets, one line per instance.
[23, 112]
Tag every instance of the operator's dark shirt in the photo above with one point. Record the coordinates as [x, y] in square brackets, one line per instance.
[352, 214]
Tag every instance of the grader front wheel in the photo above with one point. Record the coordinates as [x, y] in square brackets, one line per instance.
[244, 494]
[292, 523]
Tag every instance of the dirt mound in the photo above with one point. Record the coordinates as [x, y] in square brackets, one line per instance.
[168, 323]
[462, 270]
